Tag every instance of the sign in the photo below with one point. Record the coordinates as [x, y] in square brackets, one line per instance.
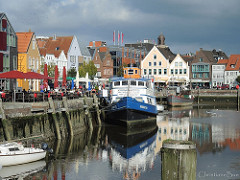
[237, 86]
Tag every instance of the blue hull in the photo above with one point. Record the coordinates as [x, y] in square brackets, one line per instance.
[129, 109]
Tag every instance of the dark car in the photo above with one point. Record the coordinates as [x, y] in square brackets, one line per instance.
[225, 86]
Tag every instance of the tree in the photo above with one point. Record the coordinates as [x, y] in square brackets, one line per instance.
[238, 79]
[90, 68]
[72, 73]
[120, 72]
[50, 68]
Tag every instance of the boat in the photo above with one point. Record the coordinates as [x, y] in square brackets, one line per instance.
[13, 153]
[184, 98]
[132, 101]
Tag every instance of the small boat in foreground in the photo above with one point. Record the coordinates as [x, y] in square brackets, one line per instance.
[15, 153]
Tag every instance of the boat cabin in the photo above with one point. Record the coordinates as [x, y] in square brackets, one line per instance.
[140, 89]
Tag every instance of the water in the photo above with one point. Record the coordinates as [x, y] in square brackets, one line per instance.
[106, 154]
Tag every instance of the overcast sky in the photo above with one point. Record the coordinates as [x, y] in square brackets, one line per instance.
[186, 24]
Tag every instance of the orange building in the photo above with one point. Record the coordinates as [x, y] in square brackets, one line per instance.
[132, 72]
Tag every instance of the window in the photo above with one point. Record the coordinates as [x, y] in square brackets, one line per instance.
[97, 65]
[117, 83]
[150, 64]
[145, 71]
[155, 63]
[159, 63]
[140, 83]
[150, 71]
[185, 71]
[155, 56]
[180, 71]
[133, 83]
[180, 64]
[165, 71]
[124, 83]
[136, 72]
[176, 64]
[200, 59]
[159, 71]
[155, 71]
[176, 71]
[200, 75]
[130, 71]
[171, 71]
[194, 75]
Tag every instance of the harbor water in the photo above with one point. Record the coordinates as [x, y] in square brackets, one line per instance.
[106, 153]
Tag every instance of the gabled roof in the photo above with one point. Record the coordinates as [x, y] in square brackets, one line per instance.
[57, 45]
[208, 55]
[3, 15]
[168, 54]
[24, 41]
[233, 63]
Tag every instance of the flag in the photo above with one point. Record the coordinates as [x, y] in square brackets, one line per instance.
[118, 37]
[122, 37]
[114, 36]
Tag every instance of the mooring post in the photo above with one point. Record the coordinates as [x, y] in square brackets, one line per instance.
[64, 99]
[198, 94]
[238, 91]
[178, 160]
[97, 109]
[55, 121]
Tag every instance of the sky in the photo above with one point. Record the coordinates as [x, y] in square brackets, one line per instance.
[187, 25]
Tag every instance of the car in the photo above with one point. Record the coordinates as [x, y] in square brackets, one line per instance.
[225, 86]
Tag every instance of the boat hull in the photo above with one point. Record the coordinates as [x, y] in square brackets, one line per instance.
[15, 159]
[179, 101]
[129, 112]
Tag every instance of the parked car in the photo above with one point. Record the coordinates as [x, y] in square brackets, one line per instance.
[225, 86]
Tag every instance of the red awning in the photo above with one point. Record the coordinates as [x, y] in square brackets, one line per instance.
[12, 75]
[34, 75]
[21, 75]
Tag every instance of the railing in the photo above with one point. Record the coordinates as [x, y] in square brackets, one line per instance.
[40, 96]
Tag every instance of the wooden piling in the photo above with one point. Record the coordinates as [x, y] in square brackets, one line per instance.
[87, 114]
[69, 122]
[4, 123]
[238, 91]
[97, 110]
[54, 116]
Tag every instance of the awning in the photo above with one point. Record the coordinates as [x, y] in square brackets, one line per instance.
[20, 75]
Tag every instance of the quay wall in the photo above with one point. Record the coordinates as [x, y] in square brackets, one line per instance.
[50, 119]
[207, 96]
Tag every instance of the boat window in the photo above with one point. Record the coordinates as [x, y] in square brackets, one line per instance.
[133, 83]
[140, 83]
[124, 83]
[117, 83]
[13, 149]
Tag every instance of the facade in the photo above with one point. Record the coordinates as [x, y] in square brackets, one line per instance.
[179, 71]
[28, 59]
[8, 51]
[103, 62]
[218, 73]
[156, 65]
[232, 70]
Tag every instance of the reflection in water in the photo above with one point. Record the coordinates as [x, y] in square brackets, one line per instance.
[107, 154]
[132, 154]
[21, 171]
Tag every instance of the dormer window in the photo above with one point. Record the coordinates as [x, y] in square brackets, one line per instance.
[57, 48]
[200, 59]
[232, 65]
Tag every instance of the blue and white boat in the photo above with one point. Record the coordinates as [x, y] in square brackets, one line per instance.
[132, 101]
